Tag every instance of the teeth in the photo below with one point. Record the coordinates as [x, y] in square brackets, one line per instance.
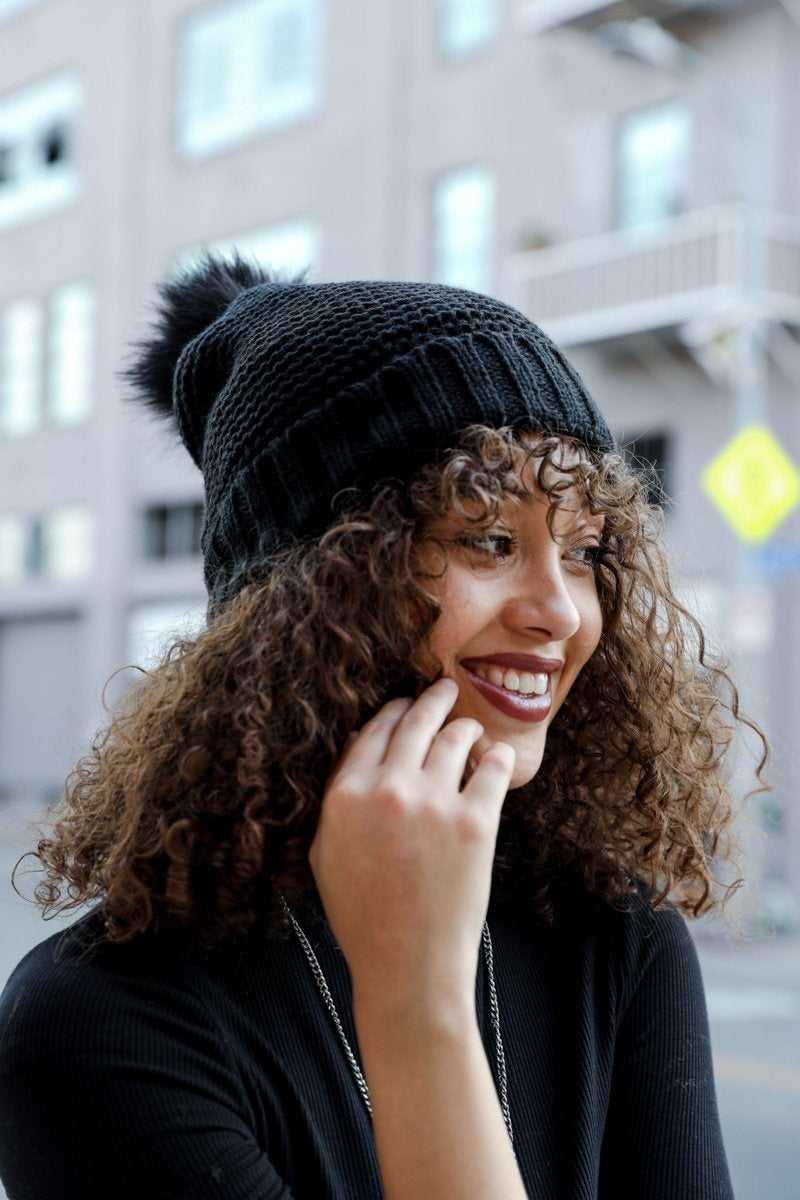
[525, 683]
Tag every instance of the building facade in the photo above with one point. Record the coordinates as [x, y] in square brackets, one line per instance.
[625, 172]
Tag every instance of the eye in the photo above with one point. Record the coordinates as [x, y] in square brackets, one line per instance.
[491, 545]
[590, 556]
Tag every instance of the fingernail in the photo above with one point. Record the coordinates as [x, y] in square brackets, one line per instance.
[451, 683]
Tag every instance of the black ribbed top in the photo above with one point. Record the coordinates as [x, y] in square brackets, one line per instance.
[138, 1071]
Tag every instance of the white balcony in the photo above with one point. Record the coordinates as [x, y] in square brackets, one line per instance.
[622, 283]
[538, 16]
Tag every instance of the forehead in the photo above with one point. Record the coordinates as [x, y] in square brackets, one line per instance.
[553, 473]
[556, 468]
[562, 453]
[546, 478]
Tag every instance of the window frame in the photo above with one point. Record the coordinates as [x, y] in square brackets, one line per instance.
[55, 356]
[250, 244]
[677, 105]
[639, 449]
[243, 24]
[450, 49]
[477, 277]
[157, 541]
[27, 116]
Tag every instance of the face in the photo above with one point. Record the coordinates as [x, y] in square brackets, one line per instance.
[520, 616]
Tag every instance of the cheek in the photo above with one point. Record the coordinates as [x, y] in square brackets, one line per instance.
[584, 641]
[436, 651]
[591, 628]
[460, 618]
[594, 622]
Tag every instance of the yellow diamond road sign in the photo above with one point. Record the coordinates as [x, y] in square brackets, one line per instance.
[753, 483]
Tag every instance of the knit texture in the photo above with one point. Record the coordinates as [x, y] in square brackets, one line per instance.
[137, 1072]
[288, 393]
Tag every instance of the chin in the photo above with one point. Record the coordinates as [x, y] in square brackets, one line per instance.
[528, 758]
[520, 778]
[526, 767]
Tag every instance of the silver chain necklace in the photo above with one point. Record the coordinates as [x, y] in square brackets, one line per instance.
[361, 1083]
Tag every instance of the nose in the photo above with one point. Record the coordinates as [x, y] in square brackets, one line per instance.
[542, 601]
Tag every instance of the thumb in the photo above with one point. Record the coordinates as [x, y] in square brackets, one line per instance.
[490, 780]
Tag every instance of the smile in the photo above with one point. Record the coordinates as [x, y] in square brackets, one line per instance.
[527, 683]
[529, 698]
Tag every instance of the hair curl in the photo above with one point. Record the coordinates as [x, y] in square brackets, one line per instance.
[196, 806]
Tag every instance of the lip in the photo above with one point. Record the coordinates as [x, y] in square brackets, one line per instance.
[529, 709]
[518, 662]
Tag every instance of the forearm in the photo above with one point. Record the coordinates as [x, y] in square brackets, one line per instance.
[401, 843]
[439, 1129]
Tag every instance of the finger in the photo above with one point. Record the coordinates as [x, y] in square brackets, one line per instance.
[451, 748]
[489, 782]
[412, 738]
[343, 755]
[369, 745]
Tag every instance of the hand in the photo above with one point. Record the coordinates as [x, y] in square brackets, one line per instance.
[402, 856]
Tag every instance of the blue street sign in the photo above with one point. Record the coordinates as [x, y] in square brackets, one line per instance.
[778, 559]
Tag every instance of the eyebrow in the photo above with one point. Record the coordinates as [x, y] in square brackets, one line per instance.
[593, 521]
[584, 518]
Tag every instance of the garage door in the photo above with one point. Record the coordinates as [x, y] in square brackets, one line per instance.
[42, 709]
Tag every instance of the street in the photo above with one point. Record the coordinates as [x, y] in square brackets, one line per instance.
[753, 993]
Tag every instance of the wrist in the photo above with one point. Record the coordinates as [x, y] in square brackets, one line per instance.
[407, 1021]
[422, 978]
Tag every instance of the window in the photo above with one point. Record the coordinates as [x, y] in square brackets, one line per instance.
[8, 8]
[60, 334]
[288, 247]
[21, 325]
[70, 353]
[173, 530]
[247, 66]
[14, 535]
[651, 453]
[56, 545]
[653, 165]
[37, 169]
[463, 220]
[67, 534]
[33, 548]
[466, 25]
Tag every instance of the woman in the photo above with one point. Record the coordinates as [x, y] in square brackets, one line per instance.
[444, 672]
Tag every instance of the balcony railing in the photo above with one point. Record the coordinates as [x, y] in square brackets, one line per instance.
[620, 283]
[538, 16]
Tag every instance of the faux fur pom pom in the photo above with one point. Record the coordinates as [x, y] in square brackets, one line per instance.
[188, 305]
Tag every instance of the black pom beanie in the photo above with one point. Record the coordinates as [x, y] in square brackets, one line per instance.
[285, 393]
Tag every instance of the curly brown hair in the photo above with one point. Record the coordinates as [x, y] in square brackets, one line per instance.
[195, 809]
